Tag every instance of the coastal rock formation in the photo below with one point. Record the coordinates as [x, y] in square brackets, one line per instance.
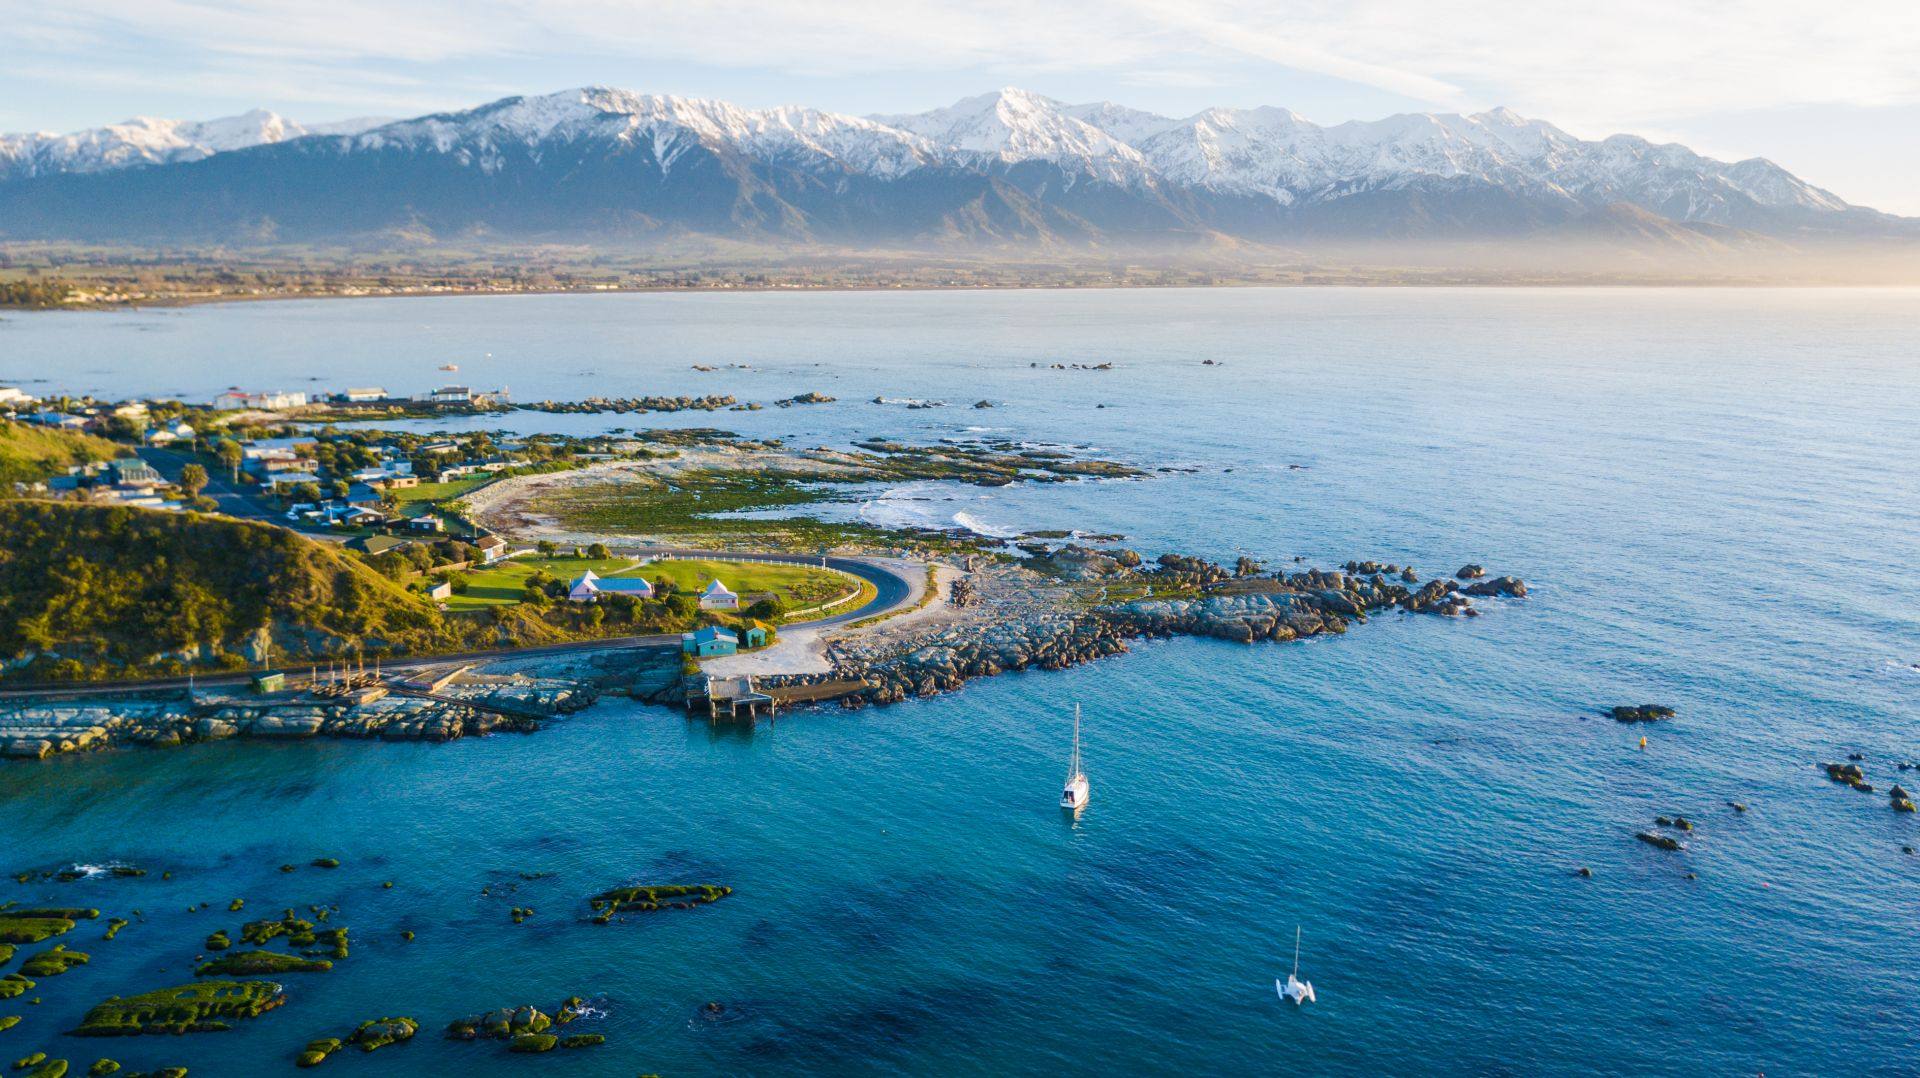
[38, 731]
[1186, 597]
[1641, 713]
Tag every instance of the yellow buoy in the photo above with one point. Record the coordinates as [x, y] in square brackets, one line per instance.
[1643, 744]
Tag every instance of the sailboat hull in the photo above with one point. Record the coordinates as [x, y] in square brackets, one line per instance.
[1076, 794]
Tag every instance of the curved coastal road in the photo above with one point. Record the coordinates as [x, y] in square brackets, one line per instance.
[899, 584]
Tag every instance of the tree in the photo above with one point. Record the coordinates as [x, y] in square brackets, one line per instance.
[193, 480]
[231, 455]
[339, 488]
[599, 552]
[546, 548]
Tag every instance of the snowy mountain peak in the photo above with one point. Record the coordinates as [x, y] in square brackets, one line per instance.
[1014, 125]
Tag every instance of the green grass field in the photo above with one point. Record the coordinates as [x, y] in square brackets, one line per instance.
[798, 586]
[416, 501]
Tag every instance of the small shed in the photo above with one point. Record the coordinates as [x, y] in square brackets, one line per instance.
[711, 640]
[270, 681]
[758, 634]
[441, 592]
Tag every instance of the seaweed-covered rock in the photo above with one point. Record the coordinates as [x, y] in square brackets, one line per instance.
[1470, 572]
[655, 897]
[42, 1067]
[114, 925]
[326, 862]
[500, 1023]
[218, 941]
[1641, 712]
[40, 925]
[298, 932]
[380, 1032]
[53, 962]
[1660, 841]
[103, 1067]
[260, 964]
[317, 1051]
[582, 1040]
[8, 1021]
[13, 985]
[533, 1042]
[188, 1008]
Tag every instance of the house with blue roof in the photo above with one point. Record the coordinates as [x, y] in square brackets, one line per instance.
[590, 586]
[711, 640]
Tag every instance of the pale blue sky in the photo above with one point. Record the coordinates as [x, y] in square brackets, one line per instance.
[1831, 91]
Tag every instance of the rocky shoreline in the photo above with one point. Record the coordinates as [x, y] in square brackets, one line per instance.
[1033, 613]
[519, 704]
[1243, 605]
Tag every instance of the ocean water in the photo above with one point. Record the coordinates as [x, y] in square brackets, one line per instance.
[1712, 494]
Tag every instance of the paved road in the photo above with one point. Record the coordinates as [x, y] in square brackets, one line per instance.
[898, 583]
[235, 500]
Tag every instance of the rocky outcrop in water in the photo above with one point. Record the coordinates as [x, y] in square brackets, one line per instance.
[42, 730]
[1187, 597]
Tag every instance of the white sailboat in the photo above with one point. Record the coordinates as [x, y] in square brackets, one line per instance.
[1075, 795]
[1293, 987]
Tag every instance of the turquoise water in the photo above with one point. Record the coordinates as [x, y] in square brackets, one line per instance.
[1713, 495]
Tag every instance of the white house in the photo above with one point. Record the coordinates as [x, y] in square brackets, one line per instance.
[13, 395]
[363, 394]
[589, 586]
[235, 399]
[717, 597]
[492, 549]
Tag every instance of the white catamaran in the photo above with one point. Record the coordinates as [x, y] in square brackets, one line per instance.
[1293, 987]
[1075, 795]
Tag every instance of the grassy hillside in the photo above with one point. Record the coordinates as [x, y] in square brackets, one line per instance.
[30, 453]
[115, 591]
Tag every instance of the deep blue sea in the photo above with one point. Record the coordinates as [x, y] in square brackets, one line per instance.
[1714, 496]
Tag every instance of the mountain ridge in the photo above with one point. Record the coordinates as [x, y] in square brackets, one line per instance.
[1008, 167]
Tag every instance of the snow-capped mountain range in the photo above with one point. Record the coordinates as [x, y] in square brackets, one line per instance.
[1003, 166]
[145, 140]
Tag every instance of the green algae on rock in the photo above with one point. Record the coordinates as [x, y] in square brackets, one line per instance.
[326, 862]
[8, 1021]
[380, 1032]
[317, 1051]
[674, 896]
[114, 925]
[53, 962]
[103, 1067]
[533, 1042]
[218, 941]
[42, 1067]
[6, 953]
[40, 925]
[12, 985]
[260, 964]
[583, 1040]
[500, 1023]
[188, 1008]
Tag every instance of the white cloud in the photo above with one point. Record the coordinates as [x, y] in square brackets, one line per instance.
[1590, 66]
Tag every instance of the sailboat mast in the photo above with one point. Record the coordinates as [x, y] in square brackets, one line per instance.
[1075, 768]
